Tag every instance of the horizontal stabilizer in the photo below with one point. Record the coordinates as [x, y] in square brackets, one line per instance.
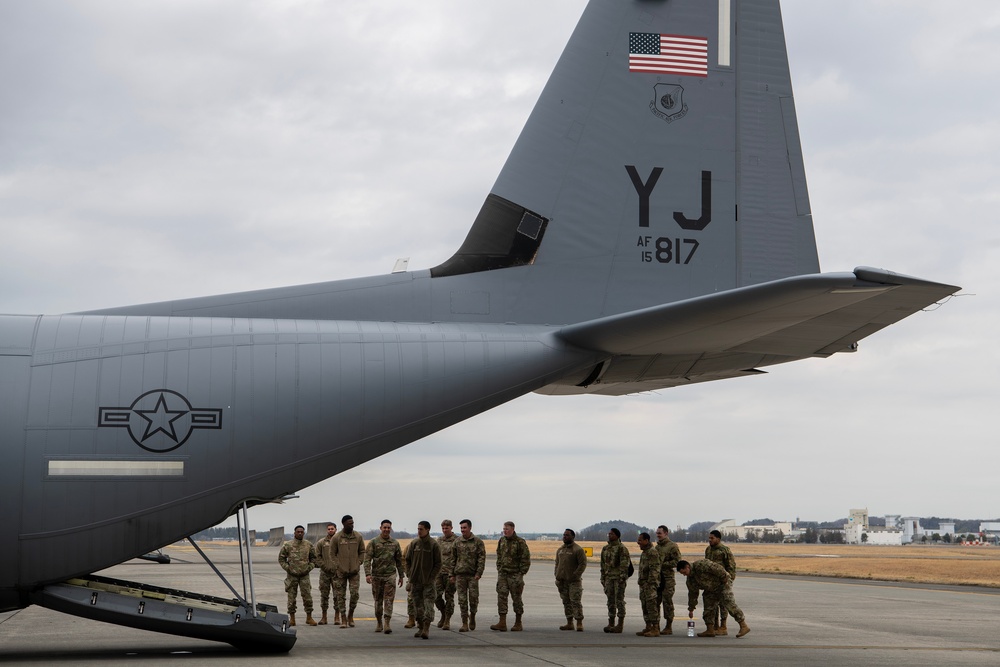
[813, 315]
[730, 334]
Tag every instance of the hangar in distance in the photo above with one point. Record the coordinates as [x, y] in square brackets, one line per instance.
[651, 228]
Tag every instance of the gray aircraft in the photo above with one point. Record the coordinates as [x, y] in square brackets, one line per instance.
[651, 228]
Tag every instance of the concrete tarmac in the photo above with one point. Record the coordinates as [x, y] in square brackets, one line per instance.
[795, 620]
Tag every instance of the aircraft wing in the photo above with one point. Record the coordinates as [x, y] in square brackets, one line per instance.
[730, 333]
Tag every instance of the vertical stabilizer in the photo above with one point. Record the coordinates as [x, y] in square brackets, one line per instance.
[662, 161]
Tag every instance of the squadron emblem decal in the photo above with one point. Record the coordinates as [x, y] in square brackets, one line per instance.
[668, 102]
[160, 420]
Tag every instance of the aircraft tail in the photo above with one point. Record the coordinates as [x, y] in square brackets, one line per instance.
[661, 162]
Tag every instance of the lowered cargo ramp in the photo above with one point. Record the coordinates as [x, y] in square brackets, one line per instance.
[171, 611]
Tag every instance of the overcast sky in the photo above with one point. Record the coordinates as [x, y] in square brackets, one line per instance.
[159, 150]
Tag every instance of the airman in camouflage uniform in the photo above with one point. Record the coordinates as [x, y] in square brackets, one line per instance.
[383, 563]
[649, 582]
[670, 553]
[513, 561]
[423, 565]
[615, 560]
[714, 580]
[468, 564]
[327, 572]
[445, 585]
[348, 549]
[718, 552]
[571, 561]
[297, 558]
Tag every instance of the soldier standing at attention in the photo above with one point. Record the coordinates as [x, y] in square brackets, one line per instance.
[717, 552]
[670, 553]
[445, 585]
[513, 561]
[423, 565]
[649, 582]
[327, 573]
[348, 550]
[469, 563]
[297, 558]
[714, 580]
[615, 560]
[571, 561]
[383, 560]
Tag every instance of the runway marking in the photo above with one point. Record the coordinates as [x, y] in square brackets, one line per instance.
[700, 645]
[902, 585]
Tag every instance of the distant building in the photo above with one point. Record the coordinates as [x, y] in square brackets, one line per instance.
[892, 521]
[990, 530]
[729, 527]
[858, 534]
[857, 518]
[912, 531]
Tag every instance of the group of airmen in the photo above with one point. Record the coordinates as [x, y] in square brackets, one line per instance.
[436, 569]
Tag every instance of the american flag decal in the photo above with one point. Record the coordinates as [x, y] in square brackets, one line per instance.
[667, 54]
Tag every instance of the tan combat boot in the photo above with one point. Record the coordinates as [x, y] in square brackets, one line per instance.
[653, 631]
[378, 624]
[617, 630]
[309, 619]
[501, 625]
[569, 624]
[425, 630]
[410, 622]
[420, 629]
[465, 624]
[720, 630]
[291, 620]
[343, 620]
[472, 620]
[667, 630]
[709, 631]
[642, 633]
[350, 618]
[323, 621]
[611, 624]
[446, 625]
[336, 617]
[517, 627]
[440, 622]
[579, 625]
[385, 625]
[744, 628]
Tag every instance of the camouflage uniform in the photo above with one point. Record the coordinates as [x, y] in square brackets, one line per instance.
[444, 586]
[615, 560]
[423, 565]
[723, 556]
[349, 552]
[513, 561]
[297, 558]
[650, 563]
[571, 561]
[327, 573]
[383, 563]
[670, 554]
[410, 611]
[714, 580]
[468, 562]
